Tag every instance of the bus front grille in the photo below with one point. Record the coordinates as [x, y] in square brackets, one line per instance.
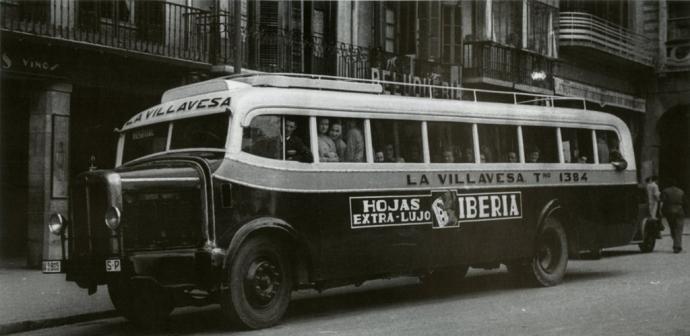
[160, 218]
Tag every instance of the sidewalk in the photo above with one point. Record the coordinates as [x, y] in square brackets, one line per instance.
[31, 300]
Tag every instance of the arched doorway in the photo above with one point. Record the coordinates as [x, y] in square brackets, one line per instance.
[674, 152]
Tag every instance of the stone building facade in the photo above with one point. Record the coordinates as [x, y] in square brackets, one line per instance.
[72, 71]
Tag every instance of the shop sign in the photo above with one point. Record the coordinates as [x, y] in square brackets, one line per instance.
[599, 95]
[32, 64]
[415, 86]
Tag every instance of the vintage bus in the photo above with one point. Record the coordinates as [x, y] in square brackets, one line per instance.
[240, 190]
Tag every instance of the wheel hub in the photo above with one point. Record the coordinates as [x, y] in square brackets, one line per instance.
[262, 282]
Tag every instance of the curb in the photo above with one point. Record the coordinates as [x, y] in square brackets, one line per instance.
[22, 326]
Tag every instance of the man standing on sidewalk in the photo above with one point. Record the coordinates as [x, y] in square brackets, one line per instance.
[672, 203]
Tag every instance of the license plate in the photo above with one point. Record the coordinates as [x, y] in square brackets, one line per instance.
[113, 265]
[52, 266]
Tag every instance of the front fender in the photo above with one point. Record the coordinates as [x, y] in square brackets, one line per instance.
[256, 224]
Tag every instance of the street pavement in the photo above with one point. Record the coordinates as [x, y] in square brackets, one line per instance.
[30, 299]
[626, 290]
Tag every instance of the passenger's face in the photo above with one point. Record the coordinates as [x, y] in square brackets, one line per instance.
[379, 157]
[448, 157]
[335, 132]
[512, 157]
[534, 157]
[290, 127]
[390, 151]
[323, 126]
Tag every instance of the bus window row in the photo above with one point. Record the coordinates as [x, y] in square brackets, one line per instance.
[348, 140]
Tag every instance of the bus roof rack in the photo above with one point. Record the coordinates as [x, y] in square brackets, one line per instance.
[306, 81]
[374, 86]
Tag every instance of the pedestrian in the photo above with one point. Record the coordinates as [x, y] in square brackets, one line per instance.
[653, 195]
[672, 204]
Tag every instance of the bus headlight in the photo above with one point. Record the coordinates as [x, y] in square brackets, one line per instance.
[56, 223]
[112, 218]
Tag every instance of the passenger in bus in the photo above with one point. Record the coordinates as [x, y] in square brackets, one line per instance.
[327, 150]
[295, 149]
[482, 158]
[448, 156]
[336, 132]
[486, 152]
[457, 151]
[378, 157]
[354, 152]
[469, 155]
[582, 159]
[512, 157]
[534, 155]
[389, 154]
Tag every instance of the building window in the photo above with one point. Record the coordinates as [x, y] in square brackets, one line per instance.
[503, 24]
[122, 10]
[317, 23]
[451, 34]
[537, 23]
[389, 30]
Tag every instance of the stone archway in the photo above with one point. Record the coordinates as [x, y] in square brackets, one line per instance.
[674, 150]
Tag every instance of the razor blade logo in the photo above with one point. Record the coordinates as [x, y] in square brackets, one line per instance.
[450, 210]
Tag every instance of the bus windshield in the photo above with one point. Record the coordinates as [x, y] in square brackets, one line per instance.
[203, 132]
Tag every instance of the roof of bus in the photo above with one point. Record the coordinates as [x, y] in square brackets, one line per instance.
[243, 98]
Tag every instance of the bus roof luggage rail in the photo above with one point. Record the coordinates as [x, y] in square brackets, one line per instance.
[375, 86]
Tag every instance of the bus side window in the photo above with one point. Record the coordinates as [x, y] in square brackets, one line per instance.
[278, 137]
[263, 137]
[540, 144]
[498, 143]
[296, 139]
[341, 140]
[397, 141]
[608, 145]
[450, 142]
[577, 145]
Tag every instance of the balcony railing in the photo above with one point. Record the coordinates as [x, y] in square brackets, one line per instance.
[586, 30]
[157, 28]
[507, 66]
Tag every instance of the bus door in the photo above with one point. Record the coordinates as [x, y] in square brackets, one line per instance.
[367, 234]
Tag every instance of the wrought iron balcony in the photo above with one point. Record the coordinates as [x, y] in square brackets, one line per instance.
[487, 62]
[149, 27]
[270, 49]
[586, 30]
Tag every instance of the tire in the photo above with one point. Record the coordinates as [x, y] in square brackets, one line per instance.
[547, 267]
[259, 284]
[143, 303]
[647, 245]
[649, 237]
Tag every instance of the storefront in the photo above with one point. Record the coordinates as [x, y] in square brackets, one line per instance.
[60, 107]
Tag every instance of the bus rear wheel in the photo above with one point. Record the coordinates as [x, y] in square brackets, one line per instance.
[259, 284]
[547, 266]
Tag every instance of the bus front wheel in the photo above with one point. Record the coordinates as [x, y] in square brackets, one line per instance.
[547, 266]
[259, 284]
